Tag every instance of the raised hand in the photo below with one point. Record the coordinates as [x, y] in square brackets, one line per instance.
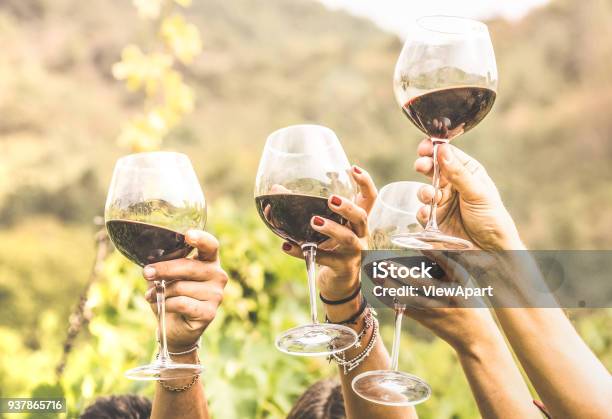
[469, 205]
[340, 256]
[194, 290]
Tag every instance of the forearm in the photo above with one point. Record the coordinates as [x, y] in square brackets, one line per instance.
[568, 377]
[356, 407]
[496, 382]
[188, 404]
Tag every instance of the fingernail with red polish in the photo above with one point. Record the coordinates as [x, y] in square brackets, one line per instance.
[357, 170]
[335, 200]
[287, 246]
[318, 221]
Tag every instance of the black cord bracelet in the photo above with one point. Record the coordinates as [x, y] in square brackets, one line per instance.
[353, 319]
[344, 300]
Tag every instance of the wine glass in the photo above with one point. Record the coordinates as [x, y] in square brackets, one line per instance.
[445, 80]
[153, 199]
[300, 168]
[393, 215]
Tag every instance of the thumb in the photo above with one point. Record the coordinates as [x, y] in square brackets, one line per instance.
[457, 174]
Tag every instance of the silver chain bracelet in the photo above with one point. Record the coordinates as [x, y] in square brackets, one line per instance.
[187, 351]
[367, 323]
[351, 364]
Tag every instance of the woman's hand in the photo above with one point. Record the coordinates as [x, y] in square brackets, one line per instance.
[469, 206]
[194, 290]
[341, 254]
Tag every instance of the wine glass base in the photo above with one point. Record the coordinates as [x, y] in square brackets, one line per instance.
[391, 388]
[320, 339]
[158, 371]
[430, 240]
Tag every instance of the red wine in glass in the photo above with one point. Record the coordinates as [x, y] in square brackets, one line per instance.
[446, 113]
[145, 243]
[289, 215]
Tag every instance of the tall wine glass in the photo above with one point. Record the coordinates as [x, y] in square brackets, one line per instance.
[153, 199]
[393, 215]
[445, 80]
[301, 167]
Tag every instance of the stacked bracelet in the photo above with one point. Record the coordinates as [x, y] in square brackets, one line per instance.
[353, 319]
[368, 320]
[350, 364]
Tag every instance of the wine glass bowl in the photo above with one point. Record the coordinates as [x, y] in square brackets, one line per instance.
[445, 82]
[153, 199]
[394, 217]
[445, 52]
[305, 160]
[301, 167]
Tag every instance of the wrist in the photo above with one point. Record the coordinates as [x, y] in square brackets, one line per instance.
[473, 330]
[188, 358]
[477, 347]
[338, 287]
[176, 349]
[341, 312]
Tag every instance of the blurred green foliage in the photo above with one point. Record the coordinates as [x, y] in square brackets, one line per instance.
[245, 376]
[546, 144]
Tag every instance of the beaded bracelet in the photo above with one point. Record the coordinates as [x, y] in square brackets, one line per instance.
[368, 320]
[351, 364]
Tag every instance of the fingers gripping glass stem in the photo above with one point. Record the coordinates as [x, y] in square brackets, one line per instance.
[432, 223]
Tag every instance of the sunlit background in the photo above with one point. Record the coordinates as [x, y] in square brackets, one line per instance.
[395, 16]
[82, 83]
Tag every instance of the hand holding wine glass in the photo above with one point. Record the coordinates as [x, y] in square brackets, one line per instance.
[153, 200]
[302, 168]
[194, 290]
[445, 81]
[468, 204]
[339, 257]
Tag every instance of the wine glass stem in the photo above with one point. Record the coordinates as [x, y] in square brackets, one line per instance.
[310, 252]
[160, 292]
[432, 223]
[397, 332]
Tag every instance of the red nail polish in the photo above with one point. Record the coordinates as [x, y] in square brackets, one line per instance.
[287, 246]
[357, 170]
[318, 221]
[336, 201]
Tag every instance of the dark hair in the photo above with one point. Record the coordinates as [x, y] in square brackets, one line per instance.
[322, 400]
[127, 406]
